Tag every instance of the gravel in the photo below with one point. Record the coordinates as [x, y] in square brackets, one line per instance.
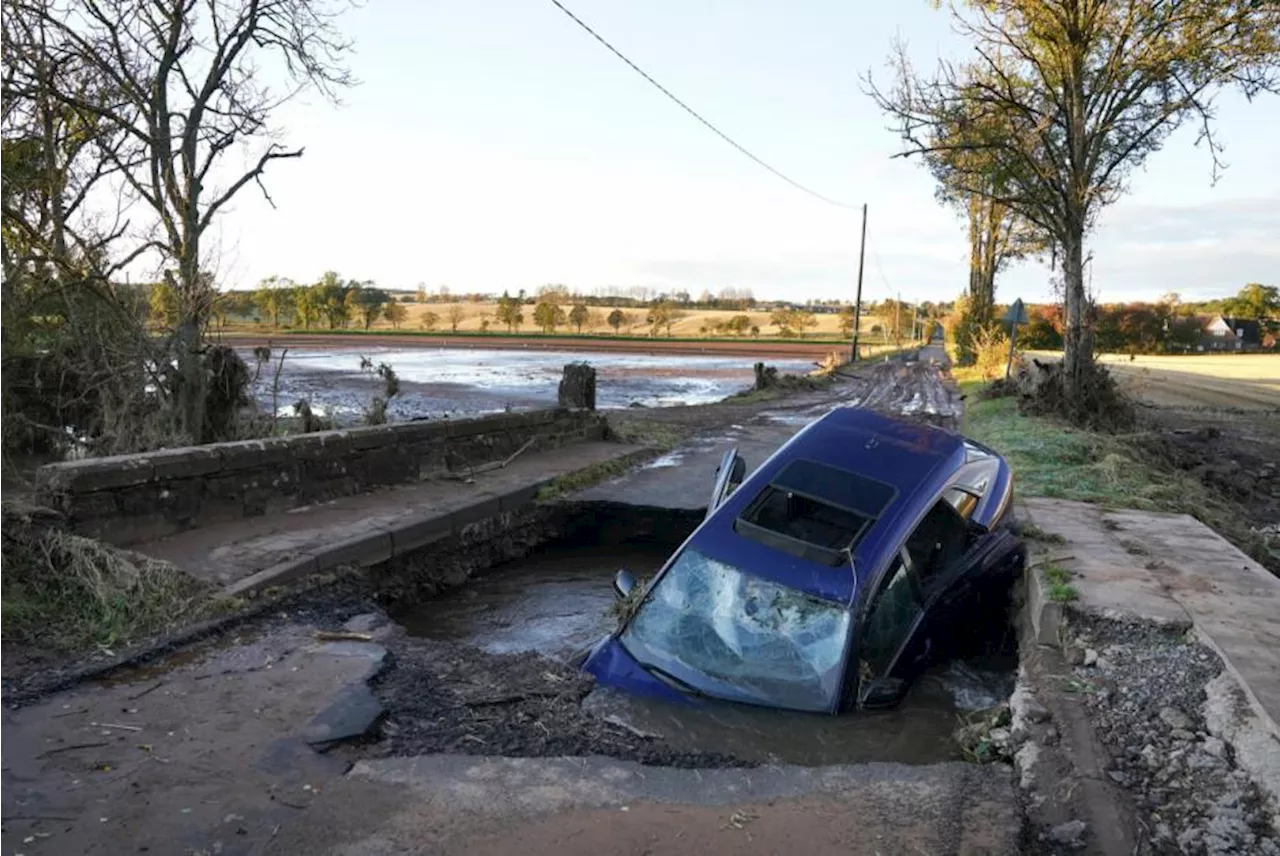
[1144, 692]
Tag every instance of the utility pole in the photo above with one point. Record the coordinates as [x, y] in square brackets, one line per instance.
[857, 303]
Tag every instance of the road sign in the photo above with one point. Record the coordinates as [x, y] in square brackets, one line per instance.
[1017, 313]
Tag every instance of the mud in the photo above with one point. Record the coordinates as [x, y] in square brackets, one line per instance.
[461, 383]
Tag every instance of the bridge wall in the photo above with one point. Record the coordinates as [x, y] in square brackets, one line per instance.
[128, 499]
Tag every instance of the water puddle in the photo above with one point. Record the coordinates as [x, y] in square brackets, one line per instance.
[558, 604]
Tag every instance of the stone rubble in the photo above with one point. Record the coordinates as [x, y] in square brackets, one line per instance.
[1144, 691]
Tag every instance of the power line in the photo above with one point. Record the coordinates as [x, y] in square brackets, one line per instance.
[695, 114]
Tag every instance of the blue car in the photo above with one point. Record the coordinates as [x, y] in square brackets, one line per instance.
[862, 551]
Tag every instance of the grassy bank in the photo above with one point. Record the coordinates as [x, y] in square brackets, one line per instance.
[1055, 460]
[63, 593]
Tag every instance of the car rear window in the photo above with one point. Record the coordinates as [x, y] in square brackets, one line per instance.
[815, 510]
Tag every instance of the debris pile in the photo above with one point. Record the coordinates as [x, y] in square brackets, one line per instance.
[1145, 686]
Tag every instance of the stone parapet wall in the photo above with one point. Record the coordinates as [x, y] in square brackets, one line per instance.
[129, 499]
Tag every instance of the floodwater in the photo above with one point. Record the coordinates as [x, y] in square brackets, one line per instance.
[557, 603]
[468, 382]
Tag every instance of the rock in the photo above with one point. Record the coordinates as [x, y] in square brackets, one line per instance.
[1182, 734]
[1202, 761]
[578, 387]
[1068, 833]
[365, 623]
[1035, 711]
[1090, 657]
[1175, 718]
[1074, 655]
[999, 736]
[1215, 747]
[1150, 756]
[1051, 736]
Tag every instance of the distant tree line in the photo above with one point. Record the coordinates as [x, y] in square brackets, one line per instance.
[1166, 326]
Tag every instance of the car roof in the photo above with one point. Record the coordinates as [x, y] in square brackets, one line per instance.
[914, 459]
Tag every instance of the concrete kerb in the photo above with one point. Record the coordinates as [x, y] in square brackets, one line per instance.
[382, 543]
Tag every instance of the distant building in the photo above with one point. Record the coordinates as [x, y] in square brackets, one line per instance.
[1221, 333]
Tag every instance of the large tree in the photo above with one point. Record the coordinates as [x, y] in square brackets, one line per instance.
[1256, 302]
[191, 99]
[1066, 97]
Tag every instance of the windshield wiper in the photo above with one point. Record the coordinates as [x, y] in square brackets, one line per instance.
[672, 681]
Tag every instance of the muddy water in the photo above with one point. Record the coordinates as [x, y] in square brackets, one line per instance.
[557, 604]
[436, 381]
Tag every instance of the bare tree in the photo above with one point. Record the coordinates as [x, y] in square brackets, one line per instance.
[187, 88]
[1066, 97]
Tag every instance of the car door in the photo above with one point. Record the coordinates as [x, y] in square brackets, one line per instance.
[729, 475]
[896, 639]
[895, 611]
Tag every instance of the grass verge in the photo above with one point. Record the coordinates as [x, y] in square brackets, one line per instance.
[66, 593]
[1050, 458]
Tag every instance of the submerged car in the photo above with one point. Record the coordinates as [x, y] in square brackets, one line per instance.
[862, 551]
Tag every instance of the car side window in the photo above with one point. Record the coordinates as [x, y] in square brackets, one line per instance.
[893, 614]
[936, 543]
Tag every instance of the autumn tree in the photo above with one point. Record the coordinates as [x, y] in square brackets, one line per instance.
[578, 316]
[430, 320]
[1064, 99]
[616, 319]
[369, 301]
[662, 317]
[509, 312]
[846, 319]
[1255, 301]
[306, 305]
[395, 313]
[548, 315]
[456, 314]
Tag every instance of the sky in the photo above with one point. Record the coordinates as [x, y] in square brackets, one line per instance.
[496, 145]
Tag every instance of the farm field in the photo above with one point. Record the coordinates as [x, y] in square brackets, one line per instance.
[691, 322]
[1226, 381]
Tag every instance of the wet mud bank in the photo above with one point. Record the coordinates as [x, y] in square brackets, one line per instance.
[488, 631]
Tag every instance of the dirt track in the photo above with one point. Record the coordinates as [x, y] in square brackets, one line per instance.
[726, 347]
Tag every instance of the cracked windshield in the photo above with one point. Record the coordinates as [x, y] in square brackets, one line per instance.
[724, 632]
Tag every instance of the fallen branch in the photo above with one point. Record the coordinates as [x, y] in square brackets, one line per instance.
[157, 685]
[342, 636]
[493, 465]
[116, 725]
[73, 746]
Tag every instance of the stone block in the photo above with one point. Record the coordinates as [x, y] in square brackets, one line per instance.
[370, 437]
[519, 498]
[413, 536]
[389, 465]
[187, 463]
[367, 549]
[94, 474]
[481, 509]
[322, 445]
[277, 574]
[255, 454]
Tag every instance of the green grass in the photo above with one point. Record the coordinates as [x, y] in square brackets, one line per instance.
[1052, 459]
[66, 593]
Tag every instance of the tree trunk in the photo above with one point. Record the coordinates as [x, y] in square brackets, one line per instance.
[191, 390]
[1078, 337]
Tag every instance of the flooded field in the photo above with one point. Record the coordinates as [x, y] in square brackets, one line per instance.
[470, 382]
[557, 604]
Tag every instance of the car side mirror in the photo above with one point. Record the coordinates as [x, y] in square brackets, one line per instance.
[624, 583]
[883, 692]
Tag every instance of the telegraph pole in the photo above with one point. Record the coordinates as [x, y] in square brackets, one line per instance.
[857, 303]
